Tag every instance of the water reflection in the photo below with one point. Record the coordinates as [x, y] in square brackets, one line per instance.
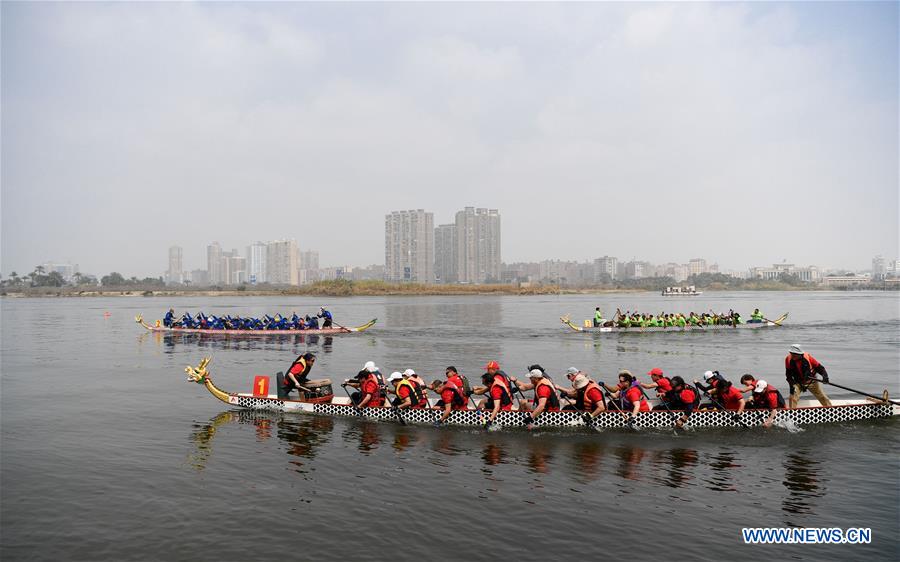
[678, 465]
[302, 435]
[723, 464]
[804, 482]
[443, 313]
[366, 433]
[586, 459]
[222, 342]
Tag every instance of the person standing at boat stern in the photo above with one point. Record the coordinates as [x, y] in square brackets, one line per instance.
[298, 373]
[326, 317]
[598, 317]
[800, 370]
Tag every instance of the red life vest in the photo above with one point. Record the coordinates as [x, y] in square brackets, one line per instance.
[416, 396]
[377, 397]
[505, 395]
[583, 399]
[459, 401]
[552, 399]
[805, 375]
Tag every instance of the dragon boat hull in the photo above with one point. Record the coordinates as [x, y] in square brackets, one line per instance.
[807, 414]
[672, 329]
[159, 328]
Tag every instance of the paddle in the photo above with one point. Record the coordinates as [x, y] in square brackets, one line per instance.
[630, 418]
[674, 416]
[879, 398]
[778, 321]
[719, 405]
[359, 411]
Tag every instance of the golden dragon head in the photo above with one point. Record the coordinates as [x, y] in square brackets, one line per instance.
[139, 318]
[198, 374]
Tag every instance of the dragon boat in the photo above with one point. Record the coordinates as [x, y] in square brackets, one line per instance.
[590, 328]
[158, 327]
[321, 400]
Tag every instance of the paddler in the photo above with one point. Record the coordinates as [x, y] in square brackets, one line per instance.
[598, 317]
[452, 398]
[369, 383]
[545, 397]
[661, 383]
[411, 375]
[629, 395]
[756, 317]
[298, 373]
[730, 397]
[800, 370]
[169, 318]
[767, 397]
[497, 388]
[683, 397]
[748, 383]
[409, 393]
[326, 316]
[587, 394]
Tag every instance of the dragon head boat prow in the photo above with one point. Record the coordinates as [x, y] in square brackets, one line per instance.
[200, 375]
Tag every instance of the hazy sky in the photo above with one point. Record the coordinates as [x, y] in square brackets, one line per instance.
[742, 133]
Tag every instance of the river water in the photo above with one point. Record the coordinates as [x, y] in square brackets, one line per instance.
[109, 454]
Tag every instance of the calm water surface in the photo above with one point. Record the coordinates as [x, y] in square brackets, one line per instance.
[109, 454]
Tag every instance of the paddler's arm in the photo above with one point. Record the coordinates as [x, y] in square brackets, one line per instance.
[495, 411]
[771, 418]
[366, 399]
[542, 403]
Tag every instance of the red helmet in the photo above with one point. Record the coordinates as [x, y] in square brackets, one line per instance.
[492, 365]
[656, 371]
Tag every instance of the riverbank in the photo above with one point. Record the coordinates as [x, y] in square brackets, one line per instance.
[368, 288]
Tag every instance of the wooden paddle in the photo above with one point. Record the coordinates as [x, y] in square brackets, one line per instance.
[879, 398]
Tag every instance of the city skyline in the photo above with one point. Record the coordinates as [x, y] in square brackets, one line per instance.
[658, 131]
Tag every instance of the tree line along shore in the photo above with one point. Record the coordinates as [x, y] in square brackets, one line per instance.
[341, 288]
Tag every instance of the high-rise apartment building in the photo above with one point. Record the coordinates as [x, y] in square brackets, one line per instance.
[309, 267]
[175, 272]
[445, 253]
[697, 266]
[477, 245]
[214, 263]
[879, 267]
[605, 269]
[409, 246]
[256, 263]
[281, 262]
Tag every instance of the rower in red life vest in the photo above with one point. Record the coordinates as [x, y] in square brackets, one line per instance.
[661, 383]
[800, 370]
[712, 380]
[730, 397]
[682, 397]
[498, 390]
[298, 373]
[545, 397]
[452, 398]
[748, 383]
[629, 396]
[409, 393]
[766, 396]
[412, 376]
[369, 382]
[588, 395]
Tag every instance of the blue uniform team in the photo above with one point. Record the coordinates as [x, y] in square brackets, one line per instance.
[278, 322]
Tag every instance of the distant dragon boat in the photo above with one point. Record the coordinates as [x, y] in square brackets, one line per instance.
[321, 400]
[159, 328]
[588, 327]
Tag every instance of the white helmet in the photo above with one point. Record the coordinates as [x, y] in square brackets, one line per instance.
[370, 366]
[708, 375]
[409, 373]
[396, 375]
[761, 386]
[536, 374]
[796, 349]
